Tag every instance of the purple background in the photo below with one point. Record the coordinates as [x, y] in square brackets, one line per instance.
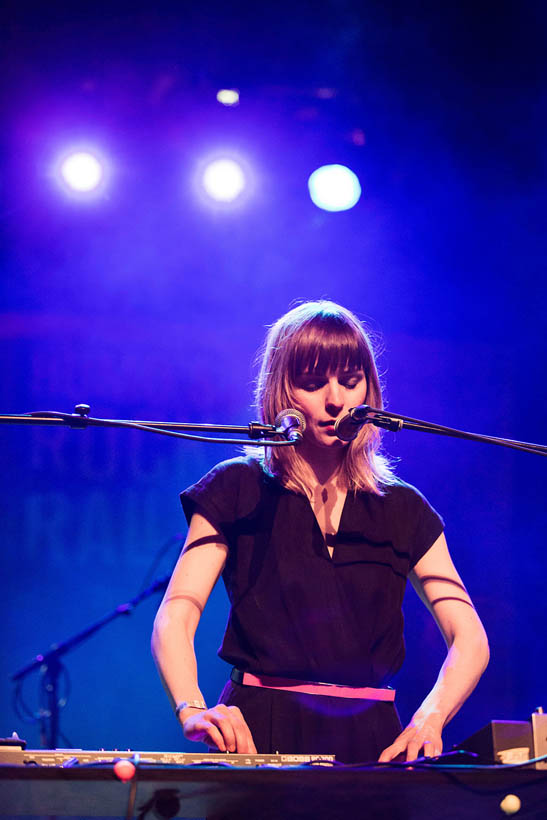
[149, 304]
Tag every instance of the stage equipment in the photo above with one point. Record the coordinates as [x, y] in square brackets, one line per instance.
[67, 758]
[501, 741]
[347, 427]
[539, 731]
[289, 426]
[291, 423]
[510, 741]
[316, 791]
[259, 434]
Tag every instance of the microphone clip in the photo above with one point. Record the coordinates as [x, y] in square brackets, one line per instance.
[369, 415]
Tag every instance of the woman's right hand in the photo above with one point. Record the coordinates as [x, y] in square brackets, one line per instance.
[221, 726]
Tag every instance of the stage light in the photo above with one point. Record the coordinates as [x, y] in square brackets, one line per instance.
[228, 96]
[334, 188]
[223, 180]
[81, 171]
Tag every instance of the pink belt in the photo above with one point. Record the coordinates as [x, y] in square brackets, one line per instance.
[332, 690]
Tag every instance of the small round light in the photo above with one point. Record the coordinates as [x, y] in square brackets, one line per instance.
[223, 180]
[334, 188]
[228, 96]
[82, 172]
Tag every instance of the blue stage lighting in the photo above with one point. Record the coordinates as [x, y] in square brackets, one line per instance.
[81, 171]
[223, 180]
[334, 188]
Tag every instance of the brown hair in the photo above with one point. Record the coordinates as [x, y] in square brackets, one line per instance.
[320, 337]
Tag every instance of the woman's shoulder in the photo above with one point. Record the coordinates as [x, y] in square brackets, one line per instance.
[240, 467]
[235, 476]
[397, 498]
[230, 490]
[407, 502]
[402, 491]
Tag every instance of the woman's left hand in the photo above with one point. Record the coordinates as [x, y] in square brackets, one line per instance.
[422, 737]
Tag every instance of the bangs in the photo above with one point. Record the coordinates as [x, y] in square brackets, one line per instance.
[325, 347]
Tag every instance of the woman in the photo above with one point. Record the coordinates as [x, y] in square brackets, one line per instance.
[315, 544]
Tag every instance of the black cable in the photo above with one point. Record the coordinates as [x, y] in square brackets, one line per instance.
[86, 421]
[432, 763]
[209, 439]
[135, 760]
[132, 797]
[20, 708]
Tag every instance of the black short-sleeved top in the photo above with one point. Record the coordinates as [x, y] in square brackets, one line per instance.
[295, 611]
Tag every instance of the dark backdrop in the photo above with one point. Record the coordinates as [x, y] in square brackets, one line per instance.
[147, 303]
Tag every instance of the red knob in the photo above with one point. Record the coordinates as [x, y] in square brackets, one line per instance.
[124, 770]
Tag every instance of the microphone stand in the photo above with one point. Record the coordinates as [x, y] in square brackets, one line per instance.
[259, 435]
[49, 662]
[50, 666]
[395, 422]
[80, 419]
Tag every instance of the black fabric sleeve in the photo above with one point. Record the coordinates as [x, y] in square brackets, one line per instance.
[429, 525]
[215, 494]
[224, 494]
[417, 523]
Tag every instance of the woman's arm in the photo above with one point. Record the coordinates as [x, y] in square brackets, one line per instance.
[198, 568]
[441, 589]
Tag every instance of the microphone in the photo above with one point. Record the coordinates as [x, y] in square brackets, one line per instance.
[290, 424]
[349, 425]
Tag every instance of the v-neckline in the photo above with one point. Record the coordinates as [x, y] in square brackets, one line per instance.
[332, 535]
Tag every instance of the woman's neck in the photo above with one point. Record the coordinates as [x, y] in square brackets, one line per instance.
[324, 464]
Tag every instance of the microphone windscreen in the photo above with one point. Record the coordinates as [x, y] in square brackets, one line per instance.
[288, 419]
[347, 428]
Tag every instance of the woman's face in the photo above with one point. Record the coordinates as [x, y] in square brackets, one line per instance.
[325, 399]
